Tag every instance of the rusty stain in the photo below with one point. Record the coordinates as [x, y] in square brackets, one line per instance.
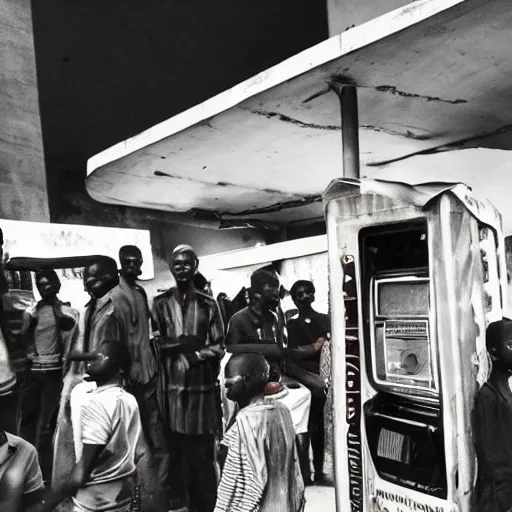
[393, 90]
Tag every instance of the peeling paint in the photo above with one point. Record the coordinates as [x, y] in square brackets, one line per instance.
[302, 124]
[393, 90]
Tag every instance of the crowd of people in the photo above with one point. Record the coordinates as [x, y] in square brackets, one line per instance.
[191, 404]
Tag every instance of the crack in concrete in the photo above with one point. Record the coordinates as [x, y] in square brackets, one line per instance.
[452, 146]
[224, 184]
[297, 122]
[286, 119]
[393, 90]
[408, 134]
[317, 94]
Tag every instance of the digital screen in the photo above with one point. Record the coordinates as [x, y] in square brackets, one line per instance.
[404, 298]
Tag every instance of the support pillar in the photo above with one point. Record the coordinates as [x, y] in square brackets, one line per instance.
[347, 95]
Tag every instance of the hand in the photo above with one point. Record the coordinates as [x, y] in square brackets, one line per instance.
[212, 351]
[319, 344]
[182, 362]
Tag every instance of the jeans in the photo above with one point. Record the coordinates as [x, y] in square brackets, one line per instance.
[40, 396]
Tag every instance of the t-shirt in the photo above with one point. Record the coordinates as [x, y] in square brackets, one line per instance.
[48, 345]
[110, 417]
[22, 465]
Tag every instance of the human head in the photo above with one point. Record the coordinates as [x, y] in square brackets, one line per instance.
[498, 339]
[48, 283]
[246, 376]
[265, 289]
[130, 257]
[111, 358]
[101, 277]
[303, 293]
[183, 264]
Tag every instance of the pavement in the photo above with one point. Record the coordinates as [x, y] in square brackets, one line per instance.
[320, 499]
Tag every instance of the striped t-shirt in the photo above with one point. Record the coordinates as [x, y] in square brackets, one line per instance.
[110, 417]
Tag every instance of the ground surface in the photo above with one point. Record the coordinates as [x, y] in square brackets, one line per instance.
[320, 499]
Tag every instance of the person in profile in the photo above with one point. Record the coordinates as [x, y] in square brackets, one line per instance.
[492, 421]
[260, 468]
[110, 428]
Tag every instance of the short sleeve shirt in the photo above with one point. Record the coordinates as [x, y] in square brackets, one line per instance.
[22, 465]
[111, 418]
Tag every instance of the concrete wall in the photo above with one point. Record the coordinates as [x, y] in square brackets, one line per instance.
[344, 14]
[23, 193]
[165, 237]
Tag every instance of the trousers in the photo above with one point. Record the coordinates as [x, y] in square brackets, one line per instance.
[154, 466]
[40, 395]
[193, 475]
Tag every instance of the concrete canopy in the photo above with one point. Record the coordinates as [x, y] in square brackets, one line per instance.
[432, 76]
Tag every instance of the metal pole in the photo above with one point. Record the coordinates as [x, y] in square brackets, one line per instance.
[349, 129]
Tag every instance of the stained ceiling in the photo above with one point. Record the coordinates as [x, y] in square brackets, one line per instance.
[432, 77]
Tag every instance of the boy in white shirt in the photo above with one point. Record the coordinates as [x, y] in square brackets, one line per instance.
[103, 478]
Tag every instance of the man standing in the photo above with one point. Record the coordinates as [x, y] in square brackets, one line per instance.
[49, 331]
[101, 322]
[307, 333]
[131, 301]
[102, 319]
[103, 477]
[190, 326]
[261, 470]
[260, 327]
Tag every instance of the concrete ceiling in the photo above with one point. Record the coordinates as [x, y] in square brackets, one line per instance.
[433, 76]
[107, 70]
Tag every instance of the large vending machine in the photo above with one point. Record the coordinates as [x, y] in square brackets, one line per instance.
[416, 274]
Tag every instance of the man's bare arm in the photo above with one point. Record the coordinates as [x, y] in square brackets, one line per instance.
[77, 479]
